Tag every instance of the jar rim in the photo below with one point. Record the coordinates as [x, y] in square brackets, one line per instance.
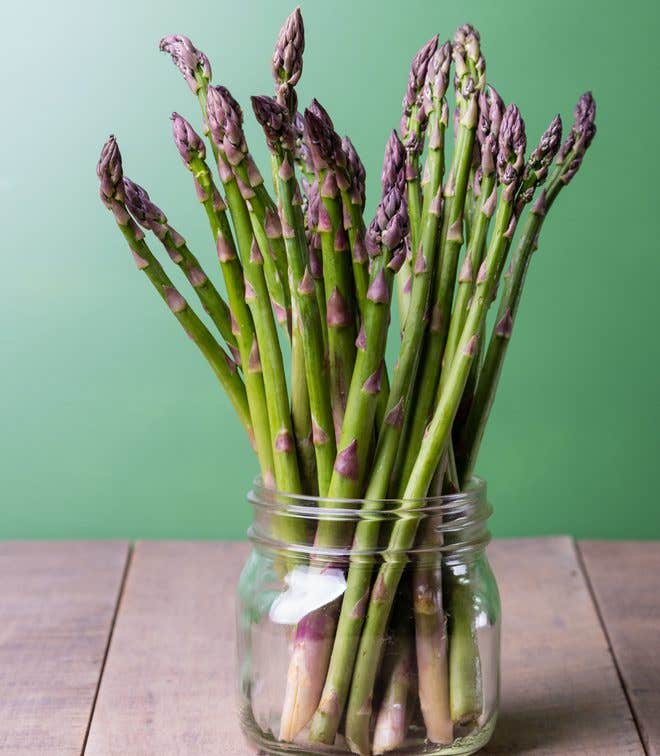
[308, 506]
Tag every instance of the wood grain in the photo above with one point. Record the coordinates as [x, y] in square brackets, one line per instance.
[169, 682]
[625, 577]
[560, 689]
[57, 603]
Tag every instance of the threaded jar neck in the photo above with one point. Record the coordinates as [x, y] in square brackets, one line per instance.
[451, 524]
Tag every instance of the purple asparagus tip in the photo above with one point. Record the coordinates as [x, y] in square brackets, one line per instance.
[390, 224]
[491, 112]
[321, 139]
[287, 63]
[538, 164]
[414, 116]
[139, 204]
[469, 63]
[357, 172]
[289, 48]
[187, 140]
[192, 63]
[511, 154]
[225, 119]
[437, 75]
[580, 137]
[275, 121]
[110, 172]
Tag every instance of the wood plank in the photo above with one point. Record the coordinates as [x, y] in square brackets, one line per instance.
[169, 681]
[625, 578]
[57, 604]
[560, 690]
[168, 685]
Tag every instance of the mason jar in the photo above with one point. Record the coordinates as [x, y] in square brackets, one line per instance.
[344, 648]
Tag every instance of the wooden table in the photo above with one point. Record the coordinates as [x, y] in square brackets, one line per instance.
[111, 649]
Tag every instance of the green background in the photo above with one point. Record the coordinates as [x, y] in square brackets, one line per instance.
[112, 425]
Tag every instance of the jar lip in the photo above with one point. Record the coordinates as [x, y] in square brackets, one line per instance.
[307, 505]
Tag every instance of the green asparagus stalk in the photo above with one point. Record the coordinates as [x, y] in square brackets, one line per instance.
[225, 119]
[423, 265]
[430, 620]
[110, 173]
[569, 161]
[510, 163]
[384, 242]
[352, 189]
[491, 109]
[152, 218]
[257, 296]
[315, 254]
[196, 70]
[469, 82]
[413, 127]
[275, 121]
[192, 151]
[325, 149]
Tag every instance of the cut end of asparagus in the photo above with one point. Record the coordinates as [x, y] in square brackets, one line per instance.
[193, 63]
[187, 140]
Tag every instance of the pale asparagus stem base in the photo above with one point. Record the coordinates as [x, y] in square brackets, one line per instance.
[431, 643]
[465, 680]
[396, 707]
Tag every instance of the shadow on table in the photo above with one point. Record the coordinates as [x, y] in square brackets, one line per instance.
[543, 725]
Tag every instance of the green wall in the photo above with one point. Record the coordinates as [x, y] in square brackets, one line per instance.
[111, 425]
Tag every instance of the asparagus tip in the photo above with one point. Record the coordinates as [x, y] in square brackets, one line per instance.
[193, 63]
[187, 140]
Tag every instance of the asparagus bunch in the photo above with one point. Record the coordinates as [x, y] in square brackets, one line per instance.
[307, 256]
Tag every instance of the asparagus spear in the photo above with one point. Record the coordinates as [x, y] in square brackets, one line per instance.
[353, 197]
[110, 173]
[192, 151]
[325, 149]
[569, 161]
[152, 218]
[469, 82]
[225, 119]
[385, 239]
[413, 126]
[287, 63]
[275, 121]
[491, 109]
[197, 72]
[510, 163]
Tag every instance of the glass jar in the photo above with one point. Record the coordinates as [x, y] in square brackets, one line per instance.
[359, 645]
